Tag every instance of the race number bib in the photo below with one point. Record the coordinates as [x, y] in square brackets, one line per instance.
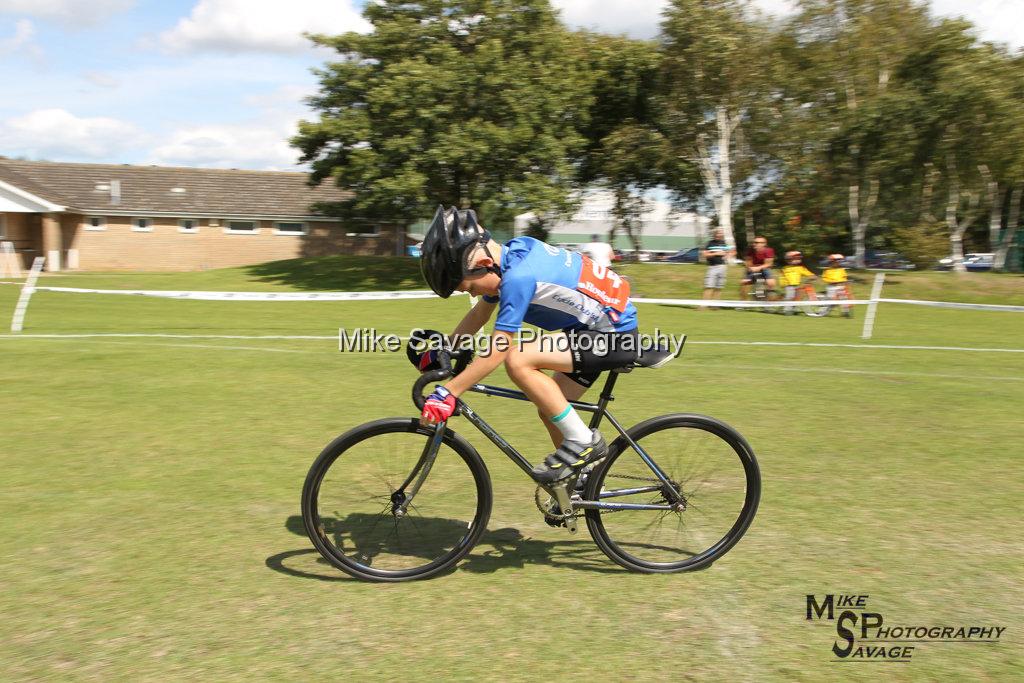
[603, 285]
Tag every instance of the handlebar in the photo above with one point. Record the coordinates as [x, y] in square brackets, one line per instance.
[462, 359]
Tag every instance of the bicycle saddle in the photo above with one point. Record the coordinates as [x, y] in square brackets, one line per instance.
[651, 358]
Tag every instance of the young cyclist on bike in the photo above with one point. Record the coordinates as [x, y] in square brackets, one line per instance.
[835, 279]
[759, 259]
[793, 274]
[529, 281]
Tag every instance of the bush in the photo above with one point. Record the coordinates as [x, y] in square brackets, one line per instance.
[923, 244]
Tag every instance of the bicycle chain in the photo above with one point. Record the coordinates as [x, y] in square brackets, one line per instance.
[578, 513]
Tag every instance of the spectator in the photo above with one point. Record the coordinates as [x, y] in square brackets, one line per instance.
[599, 252]
[717, 254]
[759, 259]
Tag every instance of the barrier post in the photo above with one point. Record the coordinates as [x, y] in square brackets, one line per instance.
[869, 317]
[17, 322]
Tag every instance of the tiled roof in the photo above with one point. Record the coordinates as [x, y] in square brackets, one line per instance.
[147, 189]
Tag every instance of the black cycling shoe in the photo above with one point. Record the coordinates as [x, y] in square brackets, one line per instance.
[569, 459]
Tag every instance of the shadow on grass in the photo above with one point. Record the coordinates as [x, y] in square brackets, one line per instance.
[342, 273]
[505, 548]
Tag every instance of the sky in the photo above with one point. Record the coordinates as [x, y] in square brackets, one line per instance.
[222, 83]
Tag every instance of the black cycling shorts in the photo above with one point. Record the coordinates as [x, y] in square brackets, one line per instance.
[594, 352]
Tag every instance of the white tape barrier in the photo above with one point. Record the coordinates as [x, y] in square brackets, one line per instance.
[253, 296]
[718, 303]
[952, 304]
[18, 321]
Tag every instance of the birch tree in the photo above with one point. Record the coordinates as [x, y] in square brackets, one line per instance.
[715, 76]
[849, 53]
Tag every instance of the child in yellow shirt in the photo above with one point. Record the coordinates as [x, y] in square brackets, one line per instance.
[793, 274]
[834, 277]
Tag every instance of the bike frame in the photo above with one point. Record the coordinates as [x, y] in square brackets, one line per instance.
[599, 410]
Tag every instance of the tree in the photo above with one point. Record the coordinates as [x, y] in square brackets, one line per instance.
[474, 103]
[625, 151]
[849, 121]
[715, 85]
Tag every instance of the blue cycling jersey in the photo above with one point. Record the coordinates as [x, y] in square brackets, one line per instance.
[546, 286]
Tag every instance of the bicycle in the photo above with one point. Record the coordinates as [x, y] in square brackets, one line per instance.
[760, 292]
[804, 292]
[392, 500]
[839, 292]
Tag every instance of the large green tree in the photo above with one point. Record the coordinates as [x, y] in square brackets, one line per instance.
[851, 132]
[472, 103]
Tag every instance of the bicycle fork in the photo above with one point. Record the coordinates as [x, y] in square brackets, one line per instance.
[400, 499]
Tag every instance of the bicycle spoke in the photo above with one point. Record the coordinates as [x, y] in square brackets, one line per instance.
[432, 528]
[706, 473]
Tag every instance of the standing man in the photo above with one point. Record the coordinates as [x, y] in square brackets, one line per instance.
[759, 259]
[717, 254]
[599, 252]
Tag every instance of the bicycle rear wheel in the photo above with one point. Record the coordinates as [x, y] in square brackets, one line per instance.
[348, 502]
[707, 462]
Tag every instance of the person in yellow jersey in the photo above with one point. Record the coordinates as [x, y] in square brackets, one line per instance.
[793, 275]
[836, 282]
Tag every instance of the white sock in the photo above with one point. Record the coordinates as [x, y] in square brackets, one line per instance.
[572, 426]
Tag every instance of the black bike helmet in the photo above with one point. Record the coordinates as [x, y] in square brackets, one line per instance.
[447, 246]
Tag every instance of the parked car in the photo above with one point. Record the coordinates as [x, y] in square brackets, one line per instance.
[972, 261]
[886, 260]
[685, 256]
[980, 262]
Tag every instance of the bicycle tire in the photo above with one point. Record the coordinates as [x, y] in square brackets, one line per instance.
[356, 562]
[596, 519]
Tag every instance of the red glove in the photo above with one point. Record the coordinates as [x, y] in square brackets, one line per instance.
[439, 406]
[428, 361]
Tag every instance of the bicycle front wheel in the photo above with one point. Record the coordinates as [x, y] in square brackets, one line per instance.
[709, 465]
[349, 502]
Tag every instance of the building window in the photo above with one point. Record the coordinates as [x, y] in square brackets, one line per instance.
[95, 223]
[142, 225]
[290, 228]
[363, 230]
[189, 225]
[241, 228]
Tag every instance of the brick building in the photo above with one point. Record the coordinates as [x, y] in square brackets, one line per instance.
[110, 217]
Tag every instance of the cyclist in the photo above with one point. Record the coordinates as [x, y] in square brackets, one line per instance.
[759, 259]
[528, 281]
[793, 274]
[836, 282]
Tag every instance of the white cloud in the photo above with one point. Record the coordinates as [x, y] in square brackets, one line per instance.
[636, 18]
[996, 20]
[22, 41]
[252, 146]
[71, 12]
[59, 134]
[101, 79]
[242, 25]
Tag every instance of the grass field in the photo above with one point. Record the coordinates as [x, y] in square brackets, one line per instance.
[151, 488]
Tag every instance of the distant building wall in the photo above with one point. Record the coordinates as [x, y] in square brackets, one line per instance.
[164, 246]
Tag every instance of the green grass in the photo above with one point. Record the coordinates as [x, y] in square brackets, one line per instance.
[151, 492]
